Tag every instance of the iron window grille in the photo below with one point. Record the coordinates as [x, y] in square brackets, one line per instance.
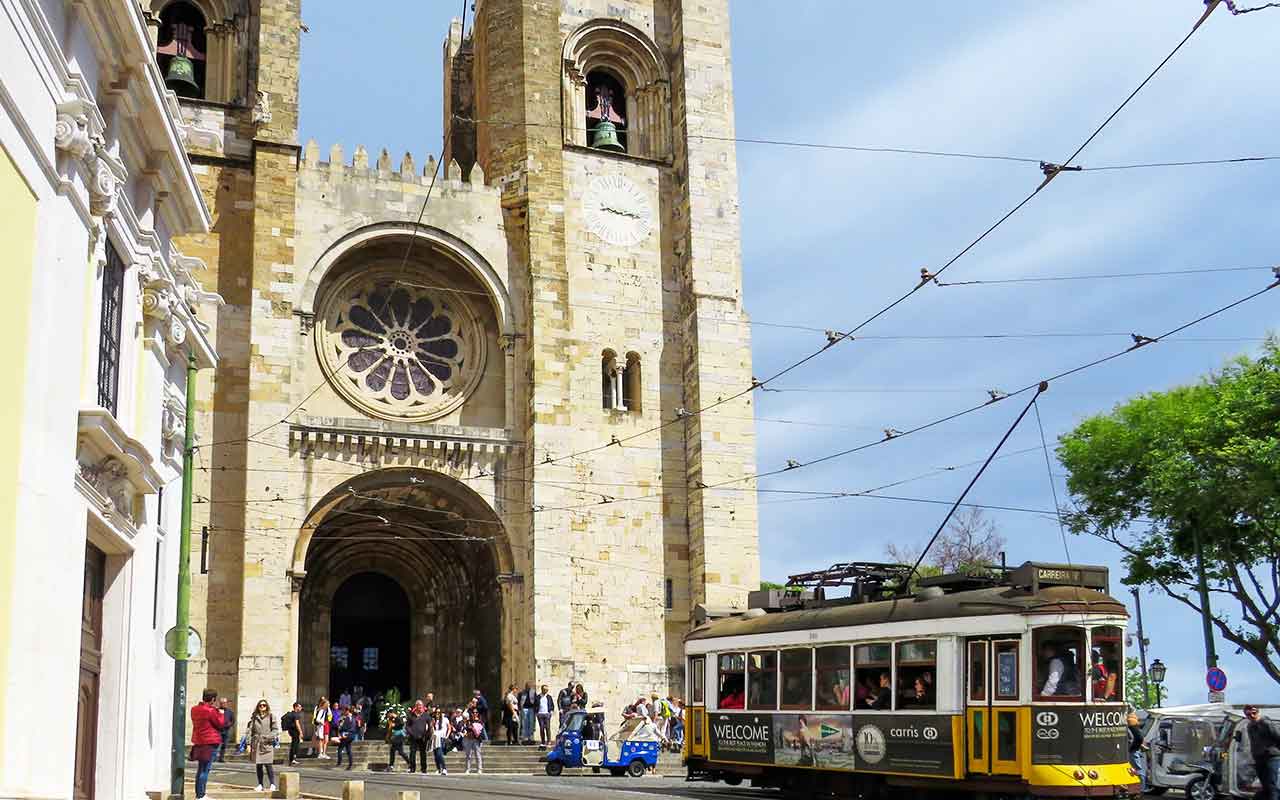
[109, 334]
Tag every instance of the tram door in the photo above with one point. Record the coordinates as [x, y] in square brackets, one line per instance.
[695, 712]
[992, 715]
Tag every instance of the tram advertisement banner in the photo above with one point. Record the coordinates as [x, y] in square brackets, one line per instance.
[746, 738]
[917, 744]
[1072, 735]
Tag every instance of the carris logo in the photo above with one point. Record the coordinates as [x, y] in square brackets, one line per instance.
[931, 733]
[1046, 718]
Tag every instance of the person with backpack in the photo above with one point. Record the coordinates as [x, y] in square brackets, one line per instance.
[320, 718]
[263, 734]
[663, 713]
[395, 740]
[347, 730]
[291, 723]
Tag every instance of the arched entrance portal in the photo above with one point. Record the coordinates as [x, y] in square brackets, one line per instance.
[369, 635]
[401, 588]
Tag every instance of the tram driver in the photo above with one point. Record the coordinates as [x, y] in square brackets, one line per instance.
[1062, 673]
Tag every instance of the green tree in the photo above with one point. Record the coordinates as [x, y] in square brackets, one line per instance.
[1137, 692]
[766, 585]
[1204, 459]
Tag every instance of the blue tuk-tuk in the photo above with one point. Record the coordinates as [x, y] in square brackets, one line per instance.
[582, 743]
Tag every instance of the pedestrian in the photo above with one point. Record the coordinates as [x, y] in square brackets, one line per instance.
[482, 708]
[677, 725]
[320, 718]
[458, 728]
[1264, 744]
[564, 701]
[228, 728]
[528, 712]
[1137, 758]
[291, 723]
[206, 737]
[579, 696]
[344, 699]
[511, 715]
[418, 729]
[440, 729]
[395, 740]
[473, 741]
[544, 706]
[663, 711]
[264, 734]
[347, 729]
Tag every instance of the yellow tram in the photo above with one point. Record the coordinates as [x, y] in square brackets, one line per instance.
[1005, 685]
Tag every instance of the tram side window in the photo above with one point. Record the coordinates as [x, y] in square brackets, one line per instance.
[731, 681]
[872, 678]
[797, 679]
[977, 672]
[762, 680]
[697, 685]
[1106, 662]
[831, 666]
[917, 666]
[1059, 659]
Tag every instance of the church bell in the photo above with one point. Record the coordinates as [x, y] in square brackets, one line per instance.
[181, 74]
[605, 137]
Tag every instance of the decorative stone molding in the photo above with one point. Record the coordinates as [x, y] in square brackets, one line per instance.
[170, 302]
[173, 422]
[71, 132]
[112, 470]
[374, 443]
[306, 322]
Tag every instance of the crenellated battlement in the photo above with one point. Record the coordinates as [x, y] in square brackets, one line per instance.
[450, 178]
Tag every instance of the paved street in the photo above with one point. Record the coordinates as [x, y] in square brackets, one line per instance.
[536, 787]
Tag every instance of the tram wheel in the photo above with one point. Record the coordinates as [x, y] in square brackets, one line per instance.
[733, 780]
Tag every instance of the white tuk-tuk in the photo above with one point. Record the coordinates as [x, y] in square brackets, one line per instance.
[1201, 749]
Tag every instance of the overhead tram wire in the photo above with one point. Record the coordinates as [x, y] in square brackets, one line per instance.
[1051, 171]
[1141, 342]
[909, 151]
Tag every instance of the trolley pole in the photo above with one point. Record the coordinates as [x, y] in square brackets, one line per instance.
[177, 755]
[1142, 649]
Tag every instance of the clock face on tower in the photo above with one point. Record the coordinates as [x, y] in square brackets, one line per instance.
[617, 211]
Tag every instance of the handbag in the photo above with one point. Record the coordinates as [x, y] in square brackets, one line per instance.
[244, 744]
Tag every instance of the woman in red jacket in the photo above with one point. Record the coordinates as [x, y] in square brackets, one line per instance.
[206, 734]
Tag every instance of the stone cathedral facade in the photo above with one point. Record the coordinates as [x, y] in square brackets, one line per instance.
[453, 448]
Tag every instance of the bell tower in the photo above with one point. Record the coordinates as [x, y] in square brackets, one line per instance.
[608, 127]
[234, 67]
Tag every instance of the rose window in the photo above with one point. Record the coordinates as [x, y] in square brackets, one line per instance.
[399, 350]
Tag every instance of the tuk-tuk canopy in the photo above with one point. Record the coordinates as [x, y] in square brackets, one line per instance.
[637, 729]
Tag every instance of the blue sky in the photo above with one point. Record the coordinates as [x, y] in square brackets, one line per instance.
[829, 237]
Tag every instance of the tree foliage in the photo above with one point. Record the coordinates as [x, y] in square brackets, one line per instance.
[970, 544]
[1203, 459]
[1138, 692]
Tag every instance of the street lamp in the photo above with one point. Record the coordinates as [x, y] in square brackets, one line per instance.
[1157, 672]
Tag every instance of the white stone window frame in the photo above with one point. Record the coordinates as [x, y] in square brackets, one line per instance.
[628, 55]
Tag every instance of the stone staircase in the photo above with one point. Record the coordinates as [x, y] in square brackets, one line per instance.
[372, 755]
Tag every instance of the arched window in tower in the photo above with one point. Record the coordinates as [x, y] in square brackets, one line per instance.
[606, 112]
[610, 382]
[632, 387]
[616, 91]
[181, 49]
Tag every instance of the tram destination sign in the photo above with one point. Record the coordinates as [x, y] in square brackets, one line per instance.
[744, 738]
[1073, 735]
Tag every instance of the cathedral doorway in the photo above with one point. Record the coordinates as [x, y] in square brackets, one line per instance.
[400, 589]
[369, 635]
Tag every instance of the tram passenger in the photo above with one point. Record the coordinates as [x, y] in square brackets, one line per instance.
[881, 699]
[1063, 676]
[1103, 679]
[920, 695]
[731, 694]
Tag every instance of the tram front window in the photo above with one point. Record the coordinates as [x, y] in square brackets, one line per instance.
[1059, 652]
[731, 681]
[1106, 662]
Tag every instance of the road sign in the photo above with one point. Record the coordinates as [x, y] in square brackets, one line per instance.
[1217, 697]
[1216, 679]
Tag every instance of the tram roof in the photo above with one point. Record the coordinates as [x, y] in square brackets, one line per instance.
[975, 603]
